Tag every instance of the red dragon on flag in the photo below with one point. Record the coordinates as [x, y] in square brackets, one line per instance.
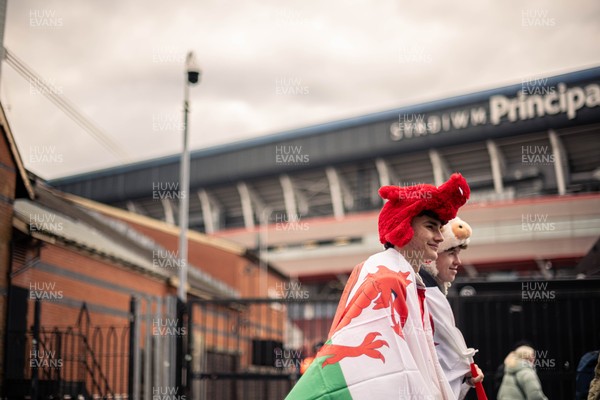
[385, 288]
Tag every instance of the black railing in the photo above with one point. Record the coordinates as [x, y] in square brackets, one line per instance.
[70, 361]
[556, 317]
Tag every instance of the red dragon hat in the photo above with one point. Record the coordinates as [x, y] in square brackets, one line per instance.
[405, 203]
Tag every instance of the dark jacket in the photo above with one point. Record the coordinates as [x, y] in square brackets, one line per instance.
[428, 279]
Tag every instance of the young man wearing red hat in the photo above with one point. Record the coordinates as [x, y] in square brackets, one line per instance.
[454, 356]
[381, 341]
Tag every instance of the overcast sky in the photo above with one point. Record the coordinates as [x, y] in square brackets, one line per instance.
[268, 65]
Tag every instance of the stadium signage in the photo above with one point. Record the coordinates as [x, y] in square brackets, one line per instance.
[529, 103]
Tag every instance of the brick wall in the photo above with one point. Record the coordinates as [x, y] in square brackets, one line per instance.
[232, 269]
[73, 275]
[8, 178]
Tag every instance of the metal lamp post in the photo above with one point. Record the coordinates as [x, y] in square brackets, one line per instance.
[192, 77]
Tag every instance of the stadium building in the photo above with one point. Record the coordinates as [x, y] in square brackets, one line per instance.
[307, 198]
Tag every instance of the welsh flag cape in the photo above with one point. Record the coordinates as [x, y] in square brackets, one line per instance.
[380, 344]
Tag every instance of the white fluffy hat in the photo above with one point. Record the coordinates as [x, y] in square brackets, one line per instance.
[456, 233]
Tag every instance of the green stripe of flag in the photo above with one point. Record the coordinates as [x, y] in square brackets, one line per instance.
[320, 383]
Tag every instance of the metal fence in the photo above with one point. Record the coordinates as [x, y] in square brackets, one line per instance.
[558, 318]
[137, 360]
[67, 362]
[251, 348]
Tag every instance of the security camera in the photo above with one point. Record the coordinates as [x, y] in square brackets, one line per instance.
[193, 76]
[192, 69]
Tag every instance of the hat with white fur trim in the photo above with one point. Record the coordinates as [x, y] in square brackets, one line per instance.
[456, 233]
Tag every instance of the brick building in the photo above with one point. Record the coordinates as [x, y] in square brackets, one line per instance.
[81, 283]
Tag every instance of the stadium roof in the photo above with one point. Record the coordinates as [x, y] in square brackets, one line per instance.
[340, 141]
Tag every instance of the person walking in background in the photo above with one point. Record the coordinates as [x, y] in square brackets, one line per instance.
[455, 358]
[499, 374]
[520, 381]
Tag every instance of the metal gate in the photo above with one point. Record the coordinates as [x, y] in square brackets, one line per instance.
[558, 318]
[251, 348]
[153, 348]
